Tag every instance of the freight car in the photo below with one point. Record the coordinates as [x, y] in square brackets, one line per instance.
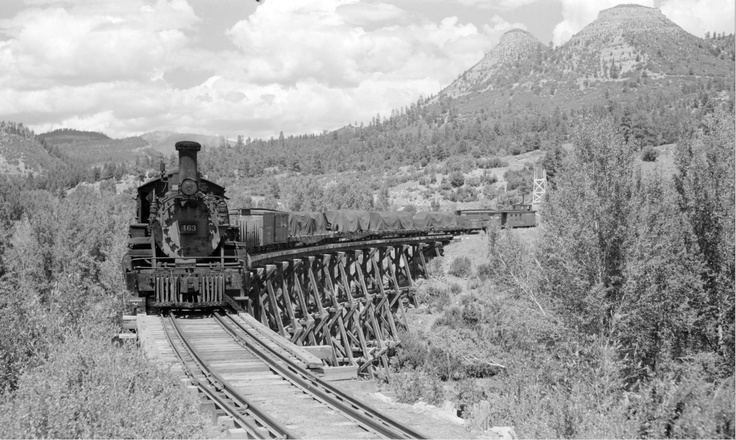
[518, 216]
[263, 229]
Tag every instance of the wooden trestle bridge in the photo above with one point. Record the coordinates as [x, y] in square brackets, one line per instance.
[344, 300]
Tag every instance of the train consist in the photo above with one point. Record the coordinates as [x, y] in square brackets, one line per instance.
[187, 249]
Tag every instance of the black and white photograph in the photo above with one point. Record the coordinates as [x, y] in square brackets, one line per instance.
[366, 219]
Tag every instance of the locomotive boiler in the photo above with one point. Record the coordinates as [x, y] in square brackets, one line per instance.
[182, 251]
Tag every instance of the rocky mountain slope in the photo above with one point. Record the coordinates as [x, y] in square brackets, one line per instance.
[628, 47]
[518, 52]
[636, 40]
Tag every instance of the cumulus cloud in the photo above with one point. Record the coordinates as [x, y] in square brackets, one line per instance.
[357, 71]
[701, 16]
[576, 14]
[76, 44]
[499, 5]
[366, 14]
[138, 65]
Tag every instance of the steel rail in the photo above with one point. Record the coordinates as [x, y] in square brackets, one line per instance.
[361, 413]
[273, 427]
[211, 394]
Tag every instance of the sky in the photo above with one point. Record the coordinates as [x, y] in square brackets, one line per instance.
[241, 67]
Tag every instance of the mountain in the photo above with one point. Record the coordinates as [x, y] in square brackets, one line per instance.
[518, 52]
[21, 153]
[94, 148]
[636, 40]
[629, 52]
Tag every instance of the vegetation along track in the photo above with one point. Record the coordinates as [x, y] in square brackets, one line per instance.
[285, 400]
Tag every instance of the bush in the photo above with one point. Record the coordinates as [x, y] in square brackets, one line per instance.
[521, 179]
[484, 271]
[412, 352]
[465, 194]
[436, 267]
[649, 154]
[455, 288]
[472, 313]
[433, 295]
[460, 267]
[489, 179]
[473, 181]
[91, 389]
[457, 179]
[492, 162]
[413, 386]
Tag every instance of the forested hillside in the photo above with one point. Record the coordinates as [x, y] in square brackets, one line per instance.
[614, 320]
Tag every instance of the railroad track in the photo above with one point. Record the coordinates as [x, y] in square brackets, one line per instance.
[229, 400]
[276, 396]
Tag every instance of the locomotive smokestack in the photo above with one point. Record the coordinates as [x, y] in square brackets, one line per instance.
[188, 165]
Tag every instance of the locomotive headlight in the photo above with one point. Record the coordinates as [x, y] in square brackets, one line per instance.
[188, 187]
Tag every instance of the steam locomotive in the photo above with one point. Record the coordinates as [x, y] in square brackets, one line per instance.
[188, 250]
[182, 250]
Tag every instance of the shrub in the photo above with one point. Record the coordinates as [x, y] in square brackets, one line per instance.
[521, 179]
[496, 162]
[452, 317]
[460, 267]
[455, 288]
[473, 181]
[435, 296]
[465, 194]
[649, 154]
[412, 352]
[412, 386]
[484, 271]
[457, 179]
[472, 313]
[489, 179]
[436, 267]
[440, 298]
[90, 389]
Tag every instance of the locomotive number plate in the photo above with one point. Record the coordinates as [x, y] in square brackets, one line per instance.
[188, 228]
